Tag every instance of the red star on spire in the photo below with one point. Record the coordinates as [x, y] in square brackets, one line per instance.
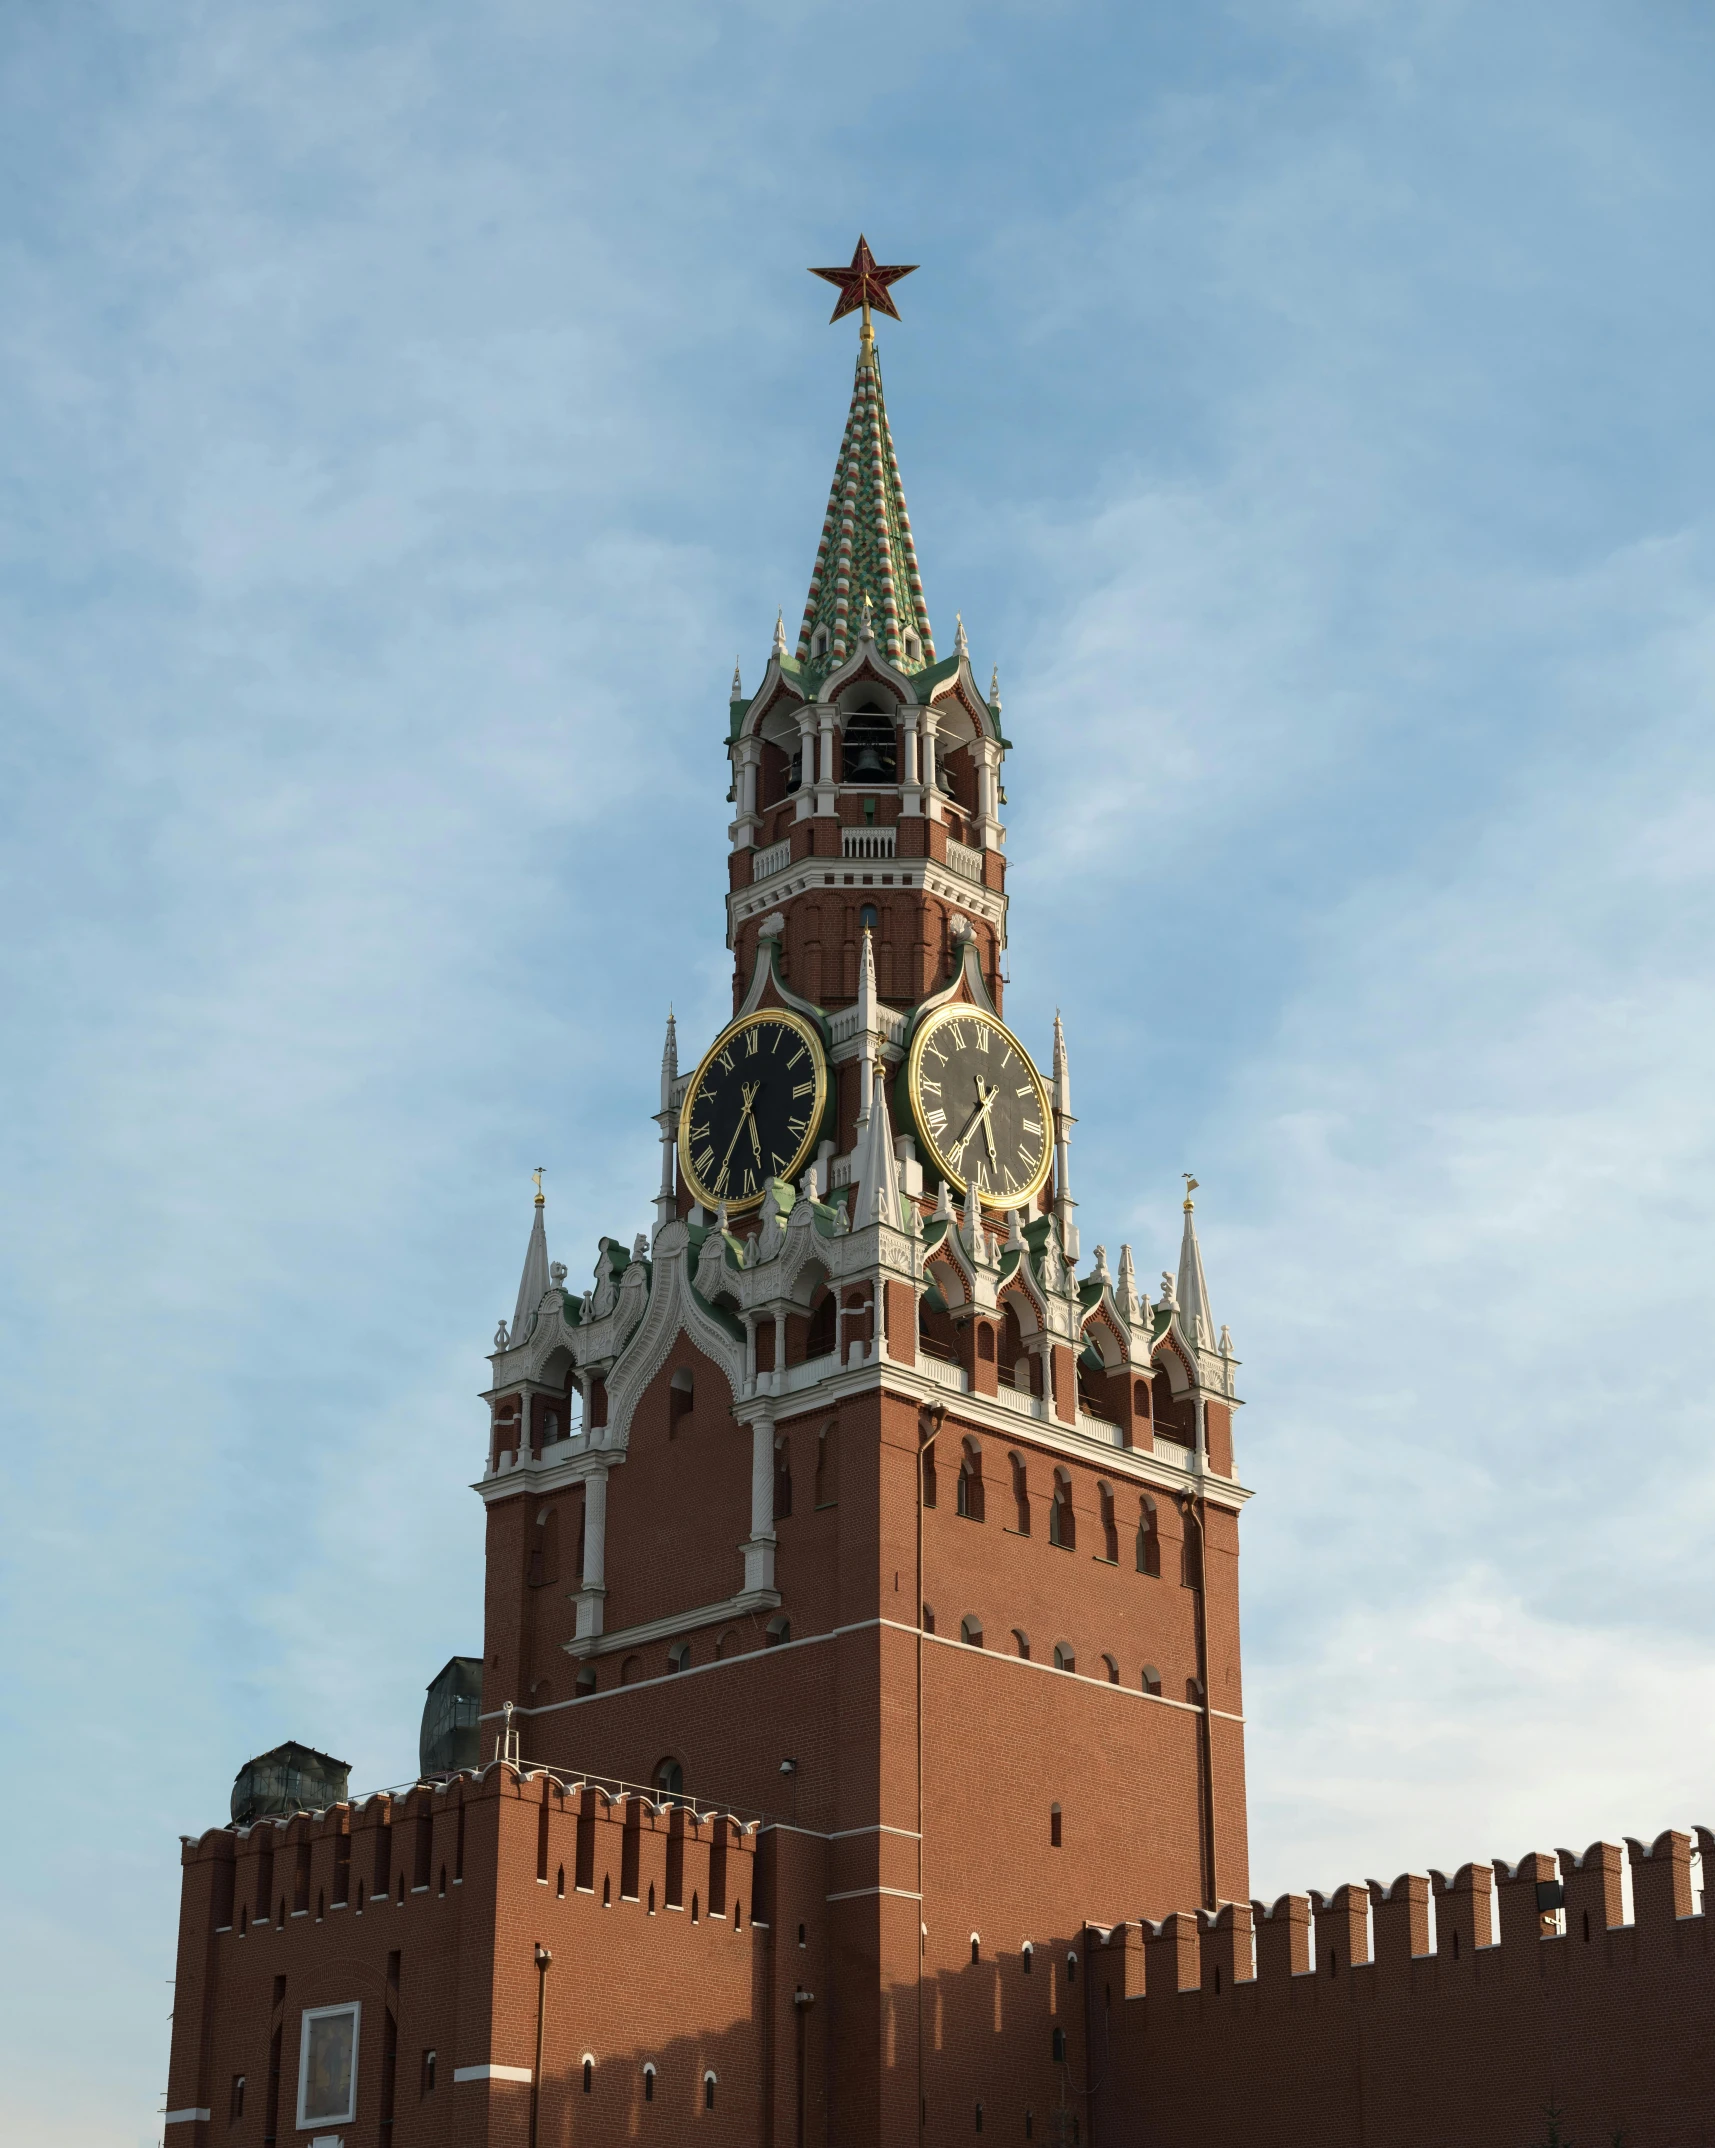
[863, 284]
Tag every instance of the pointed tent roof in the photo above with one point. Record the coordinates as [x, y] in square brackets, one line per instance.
[1192, 1291]
[533, 1283]
[866, 548]
[669, 1061]
[877, 1166]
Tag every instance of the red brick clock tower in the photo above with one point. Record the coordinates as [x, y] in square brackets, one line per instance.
[862, 1599]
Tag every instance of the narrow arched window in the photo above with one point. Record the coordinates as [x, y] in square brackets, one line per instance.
[868, 921]
[679, 1656]
[929, 1473]
[589, 2074]
[1065, 1656]
[971, 1481]
[681, 1400]
[649, 2084]
[669, 1778]
[1110, 1526]
[976, 1948]
[1148, 1538]
[1113, 1670]
[708, 2092]
[1020, 1495]
[971, 1630]
[1151, 1679]
[779, 1630]
[928, 1618]
[560, 1884]
[1054, 1827]
[631, 1670]
[1021, 1641]
[1062, 1521]
[1029, 1956]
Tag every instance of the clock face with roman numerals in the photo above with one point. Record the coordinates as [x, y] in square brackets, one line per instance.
[980, 1106]
[753, 1110]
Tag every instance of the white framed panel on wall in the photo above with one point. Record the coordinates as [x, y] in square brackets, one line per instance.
[327, 2065]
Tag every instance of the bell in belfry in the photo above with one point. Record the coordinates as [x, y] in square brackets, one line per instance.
[871, 755]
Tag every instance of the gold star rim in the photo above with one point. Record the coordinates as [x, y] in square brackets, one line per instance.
[864, 282]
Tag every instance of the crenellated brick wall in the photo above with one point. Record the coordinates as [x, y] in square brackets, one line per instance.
[1453, 2010]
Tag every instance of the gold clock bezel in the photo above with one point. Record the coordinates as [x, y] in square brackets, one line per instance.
[963, 1011]
[786, 1018]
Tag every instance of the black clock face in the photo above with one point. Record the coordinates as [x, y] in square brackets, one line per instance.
[980, 1106]
[753, 1109]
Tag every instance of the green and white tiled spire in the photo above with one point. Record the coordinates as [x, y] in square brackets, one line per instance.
[866, 548]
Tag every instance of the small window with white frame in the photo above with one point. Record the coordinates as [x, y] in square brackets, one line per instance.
[327, 2065]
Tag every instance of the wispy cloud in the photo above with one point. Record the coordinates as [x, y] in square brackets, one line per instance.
[408, 420]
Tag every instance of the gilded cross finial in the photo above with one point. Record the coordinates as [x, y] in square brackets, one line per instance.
[536, 1181]
[1190, 1189]
[864, 283]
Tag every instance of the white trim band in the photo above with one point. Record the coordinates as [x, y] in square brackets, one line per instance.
[857, 1894]
[492, 2073]
[185, 2118]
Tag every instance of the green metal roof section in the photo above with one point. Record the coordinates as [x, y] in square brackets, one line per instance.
[933, 675]
[866, 548]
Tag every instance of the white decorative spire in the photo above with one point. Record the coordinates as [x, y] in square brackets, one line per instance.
[869, 1028]
[669, 1060]
[961, 647]
[1191, 1290]
[666, 1201]
[1125, 1290]
[737, 693]
[877, 1168]
[533, 1283]
[973, 1218]
[1065, 1208]
[779, 648]
[994, 689]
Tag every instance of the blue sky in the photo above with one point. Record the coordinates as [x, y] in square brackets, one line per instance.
[407, 414]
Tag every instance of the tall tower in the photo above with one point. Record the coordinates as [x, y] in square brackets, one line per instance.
[841, 1497]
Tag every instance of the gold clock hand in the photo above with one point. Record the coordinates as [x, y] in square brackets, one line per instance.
[978, 1118]
[750, 1089]
[988, 1129]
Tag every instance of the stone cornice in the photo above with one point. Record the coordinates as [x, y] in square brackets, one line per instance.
[806, 875]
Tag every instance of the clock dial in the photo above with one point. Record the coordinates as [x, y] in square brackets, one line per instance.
[753, 1110]
[980, 1106]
